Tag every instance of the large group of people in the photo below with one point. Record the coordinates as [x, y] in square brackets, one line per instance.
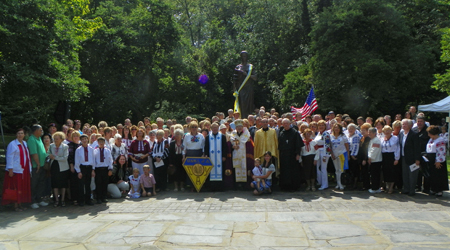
[87, 164]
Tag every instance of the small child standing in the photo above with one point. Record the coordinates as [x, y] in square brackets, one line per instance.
[147, 182]
[135, 186]
[258, 171]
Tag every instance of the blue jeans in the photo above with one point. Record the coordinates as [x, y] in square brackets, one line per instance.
[268, 184]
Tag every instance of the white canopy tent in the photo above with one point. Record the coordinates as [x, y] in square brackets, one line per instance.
[440, 106]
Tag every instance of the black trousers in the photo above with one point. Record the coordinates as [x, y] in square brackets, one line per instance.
[101, 182]
[84, 185]
[375, 175]
[426, 181]
[73, 184]
[365, 176]
[161, 176]
[354, 168]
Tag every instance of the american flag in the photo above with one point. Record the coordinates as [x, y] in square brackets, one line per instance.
[309, 107]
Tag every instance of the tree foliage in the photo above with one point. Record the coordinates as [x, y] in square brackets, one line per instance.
[112, 59]
[39, 65]
[367, 59]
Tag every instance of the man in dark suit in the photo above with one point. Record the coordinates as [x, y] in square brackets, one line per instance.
[410, 151]
[421, 130]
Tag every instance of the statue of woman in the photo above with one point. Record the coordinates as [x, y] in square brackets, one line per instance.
[243, 87]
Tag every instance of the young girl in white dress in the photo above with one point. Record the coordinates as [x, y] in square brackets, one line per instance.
[135, 187]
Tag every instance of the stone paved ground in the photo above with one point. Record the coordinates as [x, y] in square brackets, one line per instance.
[237, 220]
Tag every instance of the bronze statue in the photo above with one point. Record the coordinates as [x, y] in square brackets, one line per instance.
[244, 76]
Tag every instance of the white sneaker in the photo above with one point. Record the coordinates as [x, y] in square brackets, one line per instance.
[34, 206]
[43, 204]
[336, 187]
[377, 191]
[371, 191]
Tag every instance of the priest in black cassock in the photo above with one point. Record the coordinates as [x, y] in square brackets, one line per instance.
[289, 145]
[216, 148]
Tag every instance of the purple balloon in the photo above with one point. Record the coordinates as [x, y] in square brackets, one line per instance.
[203, 79]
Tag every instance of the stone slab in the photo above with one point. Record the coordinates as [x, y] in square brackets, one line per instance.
[298, 216]
[420, 216]
[268, 234]
[407, 237]
[48, 245]
[148, 229]
[357, 240]
[405, 227]
[420, 247]
[336, 230]
[369, 216]
[18, 229]
[68, 231]
[9, 245]
[121, 217]
[175, 217]
[212, 233]
[238, 217]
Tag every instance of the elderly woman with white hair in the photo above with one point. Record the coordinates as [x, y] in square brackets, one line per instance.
[58, 154]
[353, 139]
[152, 141]
[118, 148]
[160, 154]
[176, 170]
[331, 123]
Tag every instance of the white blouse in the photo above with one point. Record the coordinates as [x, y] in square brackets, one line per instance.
[13, 156]
[354, 144]
[391, 146]
[127, 142]
[437, 146]
[338, 144]
[444, 136]
[380, 136]
[117, 151]
[191, 142]
[311, 149]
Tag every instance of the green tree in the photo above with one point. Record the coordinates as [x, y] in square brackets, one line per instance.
[366, 59]
[39, 65]
[442, 82]
[132, 63]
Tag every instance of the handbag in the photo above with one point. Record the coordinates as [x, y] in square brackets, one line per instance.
[10, 194]
[47, 165]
